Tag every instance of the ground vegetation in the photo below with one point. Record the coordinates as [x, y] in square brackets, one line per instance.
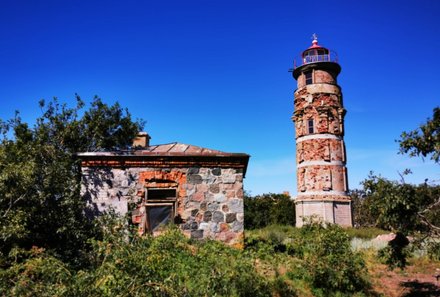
[268, 209]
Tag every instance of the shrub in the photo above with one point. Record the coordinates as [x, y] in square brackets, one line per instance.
[167, 265]
[268, 209]
[38, 275]
[327, 262]
[433, 250]
[395, 254]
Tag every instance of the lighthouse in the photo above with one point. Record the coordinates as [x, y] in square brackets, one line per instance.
[319, 134]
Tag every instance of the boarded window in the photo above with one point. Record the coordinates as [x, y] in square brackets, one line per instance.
[159, 215]
[160, 207]
[160, 194]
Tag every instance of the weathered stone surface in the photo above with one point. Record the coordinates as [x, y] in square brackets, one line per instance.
[213, 206]
[237, 226]
[225, 187]
[194, 226]
[194, 212]
[209, 197]
[219, 198]
[204, 226]
[193, 170]
[209, 180]
[202, 188]
[215, 228]
[198, 196]
[224, 227]
[239, 193]
[231, 217]
[228, 178]
[204, 171]
[124, 192]
[230, 194]
[218, 217]
[195, 179]
[216, 171]
[235, 205]
[186, 226]
[197, 234]
[207, 216]
[214, 188]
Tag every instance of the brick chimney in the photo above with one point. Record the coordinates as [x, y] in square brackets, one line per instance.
[142, 140]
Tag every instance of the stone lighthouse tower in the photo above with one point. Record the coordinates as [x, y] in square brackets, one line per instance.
[319, 127]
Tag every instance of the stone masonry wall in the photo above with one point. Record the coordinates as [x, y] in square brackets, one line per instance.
[320, 150]
[321, 178]
[329, 150]
[209, 200]
[319, 76]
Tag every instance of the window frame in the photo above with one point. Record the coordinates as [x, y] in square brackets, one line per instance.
[158, 202]
[311, 126]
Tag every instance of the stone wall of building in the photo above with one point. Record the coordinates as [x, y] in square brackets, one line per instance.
[209, 201]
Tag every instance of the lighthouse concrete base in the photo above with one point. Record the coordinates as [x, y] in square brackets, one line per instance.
[334, 212]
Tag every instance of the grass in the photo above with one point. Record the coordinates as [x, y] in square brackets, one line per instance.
[365, 233]
[274, 233]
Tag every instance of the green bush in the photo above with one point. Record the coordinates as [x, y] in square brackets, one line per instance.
[167, 265]
[434, 250]
[315, 256]
[327, 262]
[38, 275]
[268, 209]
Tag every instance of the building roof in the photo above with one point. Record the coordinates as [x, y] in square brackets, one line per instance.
[165, 155]
[169, 149]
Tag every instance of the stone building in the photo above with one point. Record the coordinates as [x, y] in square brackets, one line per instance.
[319, 128]
[199, 189]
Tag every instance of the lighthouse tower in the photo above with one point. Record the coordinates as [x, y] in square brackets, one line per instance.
[320, 150]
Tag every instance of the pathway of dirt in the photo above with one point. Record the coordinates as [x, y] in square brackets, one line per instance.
[416, 280]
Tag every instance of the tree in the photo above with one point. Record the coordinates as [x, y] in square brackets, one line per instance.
[425, 140]
[360, 202]
[40, 202]
[267, 209]
[397, 206]
[405, 208]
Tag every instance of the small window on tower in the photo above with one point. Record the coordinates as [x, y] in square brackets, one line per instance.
[311, 128]
[309, 78]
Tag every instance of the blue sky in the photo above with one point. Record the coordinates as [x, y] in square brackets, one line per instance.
[214, 73]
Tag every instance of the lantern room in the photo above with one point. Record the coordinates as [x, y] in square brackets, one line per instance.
[315, 57]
